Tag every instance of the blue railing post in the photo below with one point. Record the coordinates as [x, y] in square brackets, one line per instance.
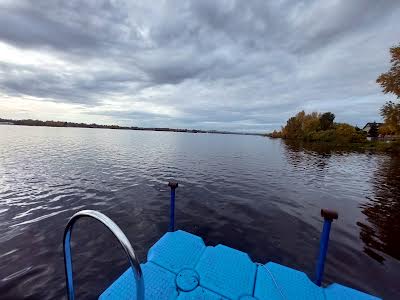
[173, 185]
[122, 239]
[328, 216]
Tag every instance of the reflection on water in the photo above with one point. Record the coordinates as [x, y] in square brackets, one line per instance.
[314, 154]
[380, 231]
[381, 234]
[258, 195]
[373, 181]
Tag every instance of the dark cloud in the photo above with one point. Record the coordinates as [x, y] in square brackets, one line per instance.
[30, 28]
[88, 88]
[223, 64]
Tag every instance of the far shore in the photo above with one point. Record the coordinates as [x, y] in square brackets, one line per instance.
[30, 122]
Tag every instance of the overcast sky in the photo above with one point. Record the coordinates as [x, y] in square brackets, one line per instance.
[235, 65]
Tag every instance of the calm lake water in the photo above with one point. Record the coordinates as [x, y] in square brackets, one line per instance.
[258, 195]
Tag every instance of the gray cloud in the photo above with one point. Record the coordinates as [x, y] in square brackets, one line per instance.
[217, 64]
[30, 28]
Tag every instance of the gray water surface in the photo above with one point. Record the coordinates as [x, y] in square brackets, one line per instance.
[258, 195]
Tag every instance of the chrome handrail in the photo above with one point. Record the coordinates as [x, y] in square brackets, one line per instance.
[122, 239]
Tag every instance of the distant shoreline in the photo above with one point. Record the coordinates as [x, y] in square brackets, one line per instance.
[39, 123]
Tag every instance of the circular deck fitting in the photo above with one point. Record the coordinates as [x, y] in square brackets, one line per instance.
[187, 280]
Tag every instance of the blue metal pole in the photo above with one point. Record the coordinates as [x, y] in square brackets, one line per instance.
[122, 239]
[68, 265]
[173, 185]
[329, 216]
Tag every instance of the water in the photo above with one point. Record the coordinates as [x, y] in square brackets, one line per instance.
[258, 195]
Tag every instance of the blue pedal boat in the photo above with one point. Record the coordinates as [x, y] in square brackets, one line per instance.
[181, 266]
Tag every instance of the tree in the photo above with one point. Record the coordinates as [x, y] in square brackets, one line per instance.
[346, 133]
[276, 134]
[311, 122]
[301, 125]
[385, 130]
[373, 131]
[326, 120]
[391, 115]
[390, 81]
[293, 128]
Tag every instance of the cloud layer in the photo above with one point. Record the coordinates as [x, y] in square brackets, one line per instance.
[236, 65]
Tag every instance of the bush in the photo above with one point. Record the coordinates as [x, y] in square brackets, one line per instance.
[326, 136]
[346, 133]
[315, 127]
[276, 134]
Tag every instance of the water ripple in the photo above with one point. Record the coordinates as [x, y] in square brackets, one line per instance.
[258, 195]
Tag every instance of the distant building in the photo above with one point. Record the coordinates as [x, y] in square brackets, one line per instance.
[367, 127]
[6, 123]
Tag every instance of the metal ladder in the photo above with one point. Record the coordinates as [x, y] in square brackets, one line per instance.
[122, 239]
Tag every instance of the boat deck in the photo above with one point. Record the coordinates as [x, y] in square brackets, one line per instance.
[181, 266]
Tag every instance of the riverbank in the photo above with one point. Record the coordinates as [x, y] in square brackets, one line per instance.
[382, 146]
[392, 147]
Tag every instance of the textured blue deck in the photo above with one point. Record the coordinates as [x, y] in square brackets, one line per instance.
[180, 266]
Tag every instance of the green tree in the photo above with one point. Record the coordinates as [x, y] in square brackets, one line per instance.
[390, 81]
[293, 128]
[311, 122]
[346, 133]
[385, 130]
[373, 131]
[326, 120]
[391, 115]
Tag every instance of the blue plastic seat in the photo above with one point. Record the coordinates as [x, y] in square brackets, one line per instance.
[158, 284]
[180, 266]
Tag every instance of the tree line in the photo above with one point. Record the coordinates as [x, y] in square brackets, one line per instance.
[30, 122]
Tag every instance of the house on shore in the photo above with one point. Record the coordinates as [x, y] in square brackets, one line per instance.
[6, 123]
[368, 126]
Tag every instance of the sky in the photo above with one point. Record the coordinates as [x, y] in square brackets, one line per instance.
[226, 65]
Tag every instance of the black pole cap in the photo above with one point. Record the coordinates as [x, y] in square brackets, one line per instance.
[329, 214]
[173, 184]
